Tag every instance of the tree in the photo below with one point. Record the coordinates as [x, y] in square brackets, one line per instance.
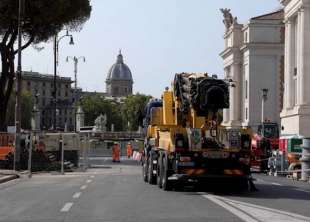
[27, 107]
[42, 19]
[132, 107]
[95, 105]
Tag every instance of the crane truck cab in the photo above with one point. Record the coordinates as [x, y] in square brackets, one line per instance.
[184, 139]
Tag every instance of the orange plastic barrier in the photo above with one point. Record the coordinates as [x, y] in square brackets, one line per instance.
[5, 150]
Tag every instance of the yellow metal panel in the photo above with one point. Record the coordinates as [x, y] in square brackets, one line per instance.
[168, 117]
[157, 116]
[197, 121]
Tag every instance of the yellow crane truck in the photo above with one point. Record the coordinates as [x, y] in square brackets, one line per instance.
[184, 141]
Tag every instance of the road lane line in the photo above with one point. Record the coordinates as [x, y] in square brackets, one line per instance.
[301, 190]
[243, 216]
[249, 212]
[66, 207]
[92, 176]
[277, 184]
[77, 195]
[89, 181]
[83, 187]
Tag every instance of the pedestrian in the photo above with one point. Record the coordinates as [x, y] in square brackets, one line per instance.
[129, 150]
[116, 152]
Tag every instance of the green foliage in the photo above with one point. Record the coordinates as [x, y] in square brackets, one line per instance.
[94, 105]
[41, 20]
[123, 115]
[27, 103]
[133, 106]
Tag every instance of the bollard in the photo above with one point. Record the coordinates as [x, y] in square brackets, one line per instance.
[305, 160]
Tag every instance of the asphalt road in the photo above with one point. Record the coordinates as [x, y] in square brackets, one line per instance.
[115, 192]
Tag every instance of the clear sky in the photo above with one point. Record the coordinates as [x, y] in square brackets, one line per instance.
[158, 38]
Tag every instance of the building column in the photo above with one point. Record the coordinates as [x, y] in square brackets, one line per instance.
[304, 50]
[289, 51]
[226, 112]
[235, 108]
[300, 58]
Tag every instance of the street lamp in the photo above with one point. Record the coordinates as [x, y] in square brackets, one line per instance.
[18, 89]
[75, 61]
[264, 99]
[56, 55]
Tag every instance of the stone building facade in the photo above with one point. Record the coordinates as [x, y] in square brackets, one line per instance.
[119, 81]
[253, 60]
[42, 86]
[295, 116]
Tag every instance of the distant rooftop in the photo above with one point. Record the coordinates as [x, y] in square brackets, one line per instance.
[277, 15]
[46, 77]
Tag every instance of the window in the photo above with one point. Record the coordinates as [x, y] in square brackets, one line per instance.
[43, 92]
[43, 84]
[29, 83]
[246, 113]
[66, 93]
[43, 102]
[67, 86]
[59, 94]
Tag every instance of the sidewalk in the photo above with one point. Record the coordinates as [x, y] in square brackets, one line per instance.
[7, 175]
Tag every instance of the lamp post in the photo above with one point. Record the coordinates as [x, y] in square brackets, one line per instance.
[264, 98]
[75, 61]
[18, 89]
[56, 55]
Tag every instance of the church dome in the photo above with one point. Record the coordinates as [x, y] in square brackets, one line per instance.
[119, 71]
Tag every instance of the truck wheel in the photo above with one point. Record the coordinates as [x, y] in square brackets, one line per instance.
[151, 178]
[144, 169]
[166, 184]
[159, 171]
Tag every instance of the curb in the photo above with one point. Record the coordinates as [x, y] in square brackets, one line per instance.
[8, 178]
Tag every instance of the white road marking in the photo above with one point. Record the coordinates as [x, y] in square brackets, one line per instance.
[277, 184]
[66, 207]
[254, 213]
[92, 176]
[83, 187]
[77, 195]
[243, 216]
[301, 190]
[89, 181]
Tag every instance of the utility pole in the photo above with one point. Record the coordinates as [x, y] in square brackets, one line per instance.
[75, 61]
[56, 51]
[55, 87]
[264, 98]
[18, 90]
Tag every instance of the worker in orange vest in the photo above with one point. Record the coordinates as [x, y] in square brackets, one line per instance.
[116, 151]
[129, 150]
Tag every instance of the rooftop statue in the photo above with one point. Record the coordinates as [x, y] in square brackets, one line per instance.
[229, 20]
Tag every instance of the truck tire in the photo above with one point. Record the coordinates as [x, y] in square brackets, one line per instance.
[150, 176]
[159, 170]
[144, 168]
[166, 184]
